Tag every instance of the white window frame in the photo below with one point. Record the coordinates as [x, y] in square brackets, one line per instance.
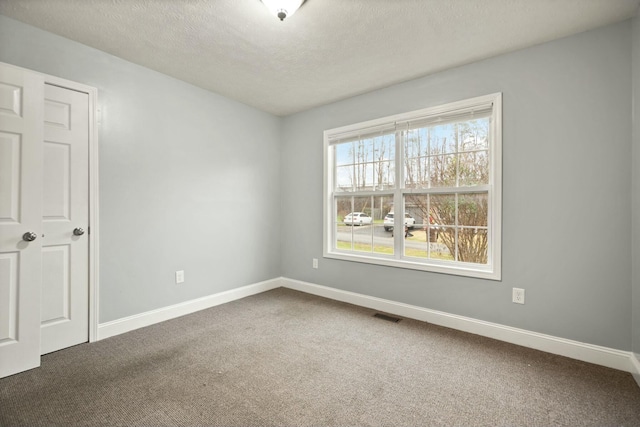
[492, 270]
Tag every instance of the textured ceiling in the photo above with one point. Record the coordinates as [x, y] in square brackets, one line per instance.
[329, 50]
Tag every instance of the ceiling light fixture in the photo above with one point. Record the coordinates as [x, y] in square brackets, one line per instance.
[283, 8]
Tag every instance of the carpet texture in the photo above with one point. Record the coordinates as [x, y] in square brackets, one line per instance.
[285, 358]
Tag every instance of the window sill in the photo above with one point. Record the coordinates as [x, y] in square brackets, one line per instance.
[442, 267]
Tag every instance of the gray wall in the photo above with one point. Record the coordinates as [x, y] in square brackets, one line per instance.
[636, 190]
[188, 179]
[566, 190]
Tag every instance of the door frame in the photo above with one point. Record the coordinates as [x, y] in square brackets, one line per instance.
[94, 259]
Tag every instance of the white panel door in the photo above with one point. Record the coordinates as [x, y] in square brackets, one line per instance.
[65, 219]
[21, 115]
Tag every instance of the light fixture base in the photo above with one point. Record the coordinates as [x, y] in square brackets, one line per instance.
[283, 8]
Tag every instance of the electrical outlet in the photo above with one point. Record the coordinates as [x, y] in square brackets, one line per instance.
[315, 263]
[180, 276]
[518, 296]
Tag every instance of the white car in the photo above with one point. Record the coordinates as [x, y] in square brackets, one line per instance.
[357, 218]
[409, 221]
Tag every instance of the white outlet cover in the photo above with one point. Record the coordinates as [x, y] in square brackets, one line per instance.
[518, 296]
[180, 276]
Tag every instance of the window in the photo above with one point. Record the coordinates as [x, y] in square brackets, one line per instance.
[439, 169]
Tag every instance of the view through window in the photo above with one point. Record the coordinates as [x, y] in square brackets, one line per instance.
[419, 190]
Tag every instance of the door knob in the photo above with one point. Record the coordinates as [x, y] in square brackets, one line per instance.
[78, 231]
[29, 236]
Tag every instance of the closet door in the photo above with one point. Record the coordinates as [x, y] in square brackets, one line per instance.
[65, 217]
[21, 134]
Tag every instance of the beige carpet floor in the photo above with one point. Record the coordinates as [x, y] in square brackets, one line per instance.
[284, 358]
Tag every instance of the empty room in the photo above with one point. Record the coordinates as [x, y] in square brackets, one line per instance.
[200, 207]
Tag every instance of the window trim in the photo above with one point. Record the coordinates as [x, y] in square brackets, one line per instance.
[493, 269]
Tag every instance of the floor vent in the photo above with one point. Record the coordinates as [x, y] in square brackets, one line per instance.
[387, 317]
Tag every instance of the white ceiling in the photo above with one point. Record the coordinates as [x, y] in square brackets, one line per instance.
[329, 50]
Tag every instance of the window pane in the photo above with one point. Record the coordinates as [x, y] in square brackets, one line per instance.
[447, 243]
[354, 224]
[362, 205]
[344, 178]
[473, 168]
[382, 237]
[384, 175]
[473, 214]
[384, 160]
[416, 164]
[472, 245]
[442, 171]
[416, 142]
[362, 224]
[423, 233]
[416, 172]
[416, 208]
[442, 209]
[366, 164]
[343, 233]
[448, 155]
[364, 150]
[344, 153]
[473, 209]
[362, 176]
[386, 147]
[443, 139]
[474, 135]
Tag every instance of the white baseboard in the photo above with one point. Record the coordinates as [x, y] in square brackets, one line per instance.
[612, 358]
[636, 366]
[126, 324]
